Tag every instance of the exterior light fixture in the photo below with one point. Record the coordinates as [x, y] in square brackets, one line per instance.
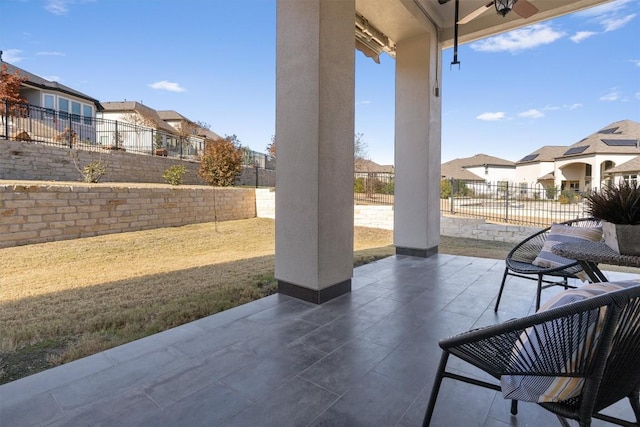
[504, 6]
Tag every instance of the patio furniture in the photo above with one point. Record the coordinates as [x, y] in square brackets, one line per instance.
[589, 254]
[591, 344]
[520, 261]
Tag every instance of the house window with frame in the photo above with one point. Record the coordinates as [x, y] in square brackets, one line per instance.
[75, 111]
[63, 108]
[87, 114]
[49, 103]
[630, 179]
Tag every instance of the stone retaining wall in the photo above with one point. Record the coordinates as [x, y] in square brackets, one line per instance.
[32, 161]
[43, 212]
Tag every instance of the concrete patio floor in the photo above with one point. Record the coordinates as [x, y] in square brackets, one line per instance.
[367, 358]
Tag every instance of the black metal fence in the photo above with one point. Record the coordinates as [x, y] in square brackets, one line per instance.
[29, 123]
[513, 203]
[373, 188]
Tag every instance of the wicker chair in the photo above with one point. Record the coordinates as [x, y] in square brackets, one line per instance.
[611, 368]
[520, 258]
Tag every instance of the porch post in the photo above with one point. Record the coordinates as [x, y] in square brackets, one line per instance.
[315, 92]
[417, 146]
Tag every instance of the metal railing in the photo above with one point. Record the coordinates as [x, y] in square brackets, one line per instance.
[29, 123]
[373, 188]
[513, 203]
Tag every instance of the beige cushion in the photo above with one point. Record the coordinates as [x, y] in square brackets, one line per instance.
[532, 388]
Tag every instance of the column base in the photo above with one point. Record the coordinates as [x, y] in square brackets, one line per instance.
[421, 253]
[314, 296]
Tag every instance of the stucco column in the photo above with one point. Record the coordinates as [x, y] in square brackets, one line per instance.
[315, 93]
[417, 147]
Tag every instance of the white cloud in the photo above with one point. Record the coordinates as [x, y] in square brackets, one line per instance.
[582, 35]
[531, 114]
[50, 53]
[604, 9]
[57, 7]
[366, 102]
[635, 61]
[525, 38]
[612, 95]
[169, 86]
[611, 16]
[11, 55]
[613, 24]
[53, 78]
[637, 95]
[573, 106]
[490, 117]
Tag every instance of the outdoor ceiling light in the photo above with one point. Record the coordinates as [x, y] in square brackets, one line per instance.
[504, 6]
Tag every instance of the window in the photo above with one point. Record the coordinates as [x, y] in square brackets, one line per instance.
[63, 108]
[587, 170]
[49, 104]
[630, 179]
[87, 114]
[75, 111]
[575, 186]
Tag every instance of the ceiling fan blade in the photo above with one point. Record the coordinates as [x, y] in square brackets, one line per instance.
[473, 15]
[524, 8]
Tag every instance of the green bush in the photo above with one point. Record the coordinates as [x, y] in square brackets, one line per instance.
[93, 171]
[358, 185]
[174, 174]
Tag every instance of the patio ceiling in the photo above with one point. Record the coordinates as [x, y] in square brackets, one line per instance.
[401, 19]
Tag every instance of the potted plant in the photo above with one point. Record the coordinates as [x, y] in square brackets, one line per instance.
[618, 208]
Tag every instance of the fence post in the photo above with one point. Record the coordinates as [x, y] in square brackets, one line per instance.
[70, 132]
[6, 118]
[506, 203]
[451, 190]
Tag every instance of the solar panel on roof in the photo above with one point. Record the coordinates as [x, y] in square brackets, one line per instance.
[610, 130]
[575, 150]
[529, 157]
[621, 142]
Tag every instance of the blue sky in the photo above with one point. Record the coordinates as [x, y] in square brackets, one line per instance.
[552, 83]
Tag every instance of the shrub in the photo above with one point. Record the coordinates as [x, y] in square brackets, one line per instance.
[221, 162]
[94, 171]
[618, 204]
[174, 174]
[358, 185]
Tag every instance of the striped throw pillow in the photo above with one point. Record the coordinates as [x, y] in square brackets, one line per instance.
[561, 233]
[532, 388]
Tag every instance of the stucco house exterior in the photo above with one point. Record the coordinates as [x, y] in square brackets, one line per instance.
[584, 165]
[628, 171]
[480, 167]
[62, 108]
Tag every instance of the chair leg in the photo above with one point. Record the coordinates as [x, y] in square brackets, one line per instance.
[504, 279]
[514, 407]
[539, 292]
[634, 399]
[435, 389]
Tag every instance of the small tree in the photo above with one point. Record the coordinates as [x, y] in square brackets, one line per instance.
[271, 148]
[359, 148]
[10, 92]
[221, 161]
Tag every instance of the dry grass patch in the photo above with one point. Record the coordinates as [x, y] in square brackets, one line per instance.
[64, 300]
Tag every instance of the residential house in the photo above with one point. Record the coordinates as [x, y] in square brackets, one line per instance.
[160, 134]
[482, 166]
[627, 171]
[536, 170]
[193, 136]
[54, 108]
[365, 166]
[584, 165]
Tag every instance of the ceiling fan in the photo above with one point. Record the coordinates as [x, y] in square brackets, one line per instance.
[523, 8]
